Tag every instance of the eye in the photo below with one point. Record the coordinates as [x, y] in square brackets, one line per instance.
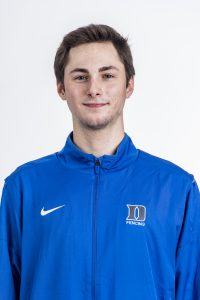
[108, 76]
[80, 77]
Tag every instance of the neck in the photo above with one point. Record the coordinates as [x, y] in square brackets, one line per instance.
[98, 142]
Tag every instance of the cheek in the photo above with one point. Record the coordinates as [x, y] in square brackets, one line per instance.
[72, 94]
[116, 92]
[72, 91]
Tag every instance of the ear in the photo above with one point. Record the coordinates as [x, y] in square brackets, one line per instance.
[130, 87]
[61, 90]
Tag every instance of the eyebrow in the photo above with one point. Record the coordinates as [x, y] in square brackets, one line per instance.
[105, 68]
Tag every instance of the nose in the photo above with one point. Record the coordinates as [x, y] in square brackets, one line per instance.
[94, 88]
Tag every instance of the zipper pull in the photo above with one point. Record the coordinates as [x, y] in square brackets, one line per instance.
[97, 162]
[97, 165]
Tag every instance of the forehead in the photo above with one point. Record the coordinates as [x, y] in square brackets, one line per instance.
[86, 55]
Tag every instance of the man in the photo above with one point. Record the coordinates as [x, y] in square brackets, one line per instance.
[99, 219]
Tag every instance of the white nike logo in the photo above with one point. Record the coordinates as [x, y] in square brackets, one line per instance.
[46, 212]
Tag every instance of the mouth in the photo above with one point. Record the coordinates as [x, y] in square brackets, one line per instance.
[95, 105]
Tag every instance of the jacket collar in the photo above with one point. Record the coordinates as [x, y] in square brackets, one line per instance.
[74, 157]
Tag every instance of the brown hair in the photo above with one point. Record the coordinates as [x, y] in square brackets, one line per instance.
[88, 34]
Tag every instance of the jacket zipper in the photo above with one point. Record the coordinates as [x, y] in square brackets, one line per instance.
[94, 248]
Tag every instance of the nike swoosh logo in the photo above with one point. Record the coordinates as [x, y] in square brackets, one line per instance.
[46, 212]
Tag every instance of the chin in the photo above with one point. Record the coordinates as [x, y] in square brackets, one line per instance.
[95, 125]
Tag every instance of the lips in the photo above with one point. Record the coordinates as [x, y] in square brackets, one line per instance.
[95, 105]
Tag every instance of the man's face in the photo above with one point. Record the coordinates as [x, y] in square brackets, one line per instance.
[95, 75]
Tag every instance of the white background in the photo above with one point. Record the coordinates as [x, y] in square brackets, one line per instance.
[163, 115]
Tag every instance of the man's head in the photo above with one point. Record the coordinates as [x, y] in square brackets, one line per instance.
[89, 34]
[94, 65]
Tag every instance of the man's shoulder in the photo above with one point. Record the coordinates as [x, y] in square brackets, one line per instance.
[43, 163]
[163, 166]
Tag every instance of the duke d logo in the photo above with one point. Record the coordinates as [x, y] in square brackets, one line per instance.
[136, 215]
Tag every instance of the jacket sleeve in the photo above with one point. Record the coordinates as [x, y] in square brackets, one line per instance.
[10, 242]
[188, 249]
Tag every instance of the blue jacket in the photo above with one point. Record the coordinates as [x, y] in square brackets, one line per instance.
[122, 226]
